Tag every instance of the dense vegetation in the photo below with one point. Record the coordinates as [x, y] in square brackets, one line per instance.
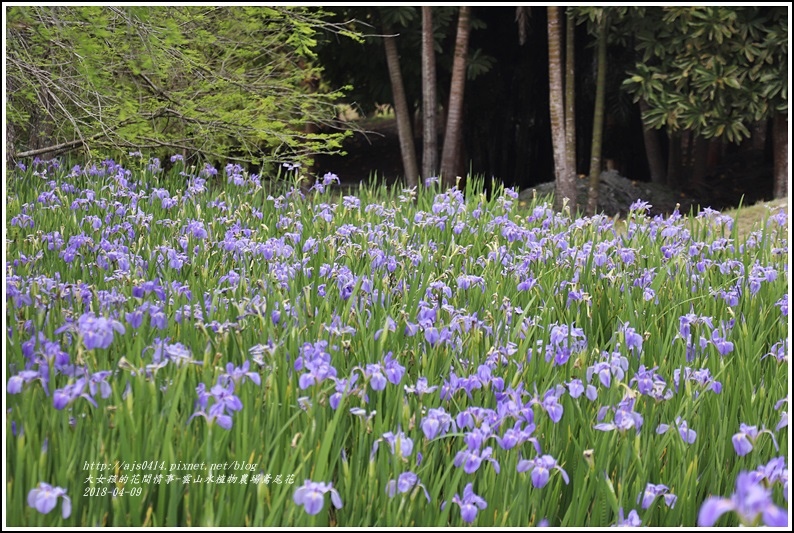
[659, 93]
[196, 349]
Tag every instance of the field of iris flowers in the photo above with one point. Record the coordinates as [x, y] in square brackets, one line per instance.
[191, 349]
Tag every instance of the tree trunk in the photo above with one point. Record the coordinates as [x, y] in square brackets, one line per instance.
[570, 96]
[10, 146]
[674, 160]
[700, 159]
[407, 148]
[429, 99]
[653, 151]
[757, 140]
[687, 142]
[454, 134]
[565, 188]
[598, 121]
[780, 140]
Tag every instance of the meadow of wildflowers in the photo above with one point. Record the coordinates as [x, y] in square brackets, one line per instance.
[193, 349]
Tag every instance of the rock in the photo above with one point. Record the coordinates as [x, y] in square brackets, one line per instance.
[616, 194]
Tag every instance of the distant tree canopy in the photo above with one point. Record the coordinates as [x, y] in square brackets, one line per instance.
[224, 82]
[712, 70]
[261, 84]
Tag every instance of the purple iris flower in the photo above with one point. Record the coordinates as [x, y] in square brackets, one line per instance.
[44, 498]
[399, 440]
[515, 436]
[550, 404]
[179, 354]
[393, 369]
[67, 395]
[783, 415]
[575, 388]
[472, 459]
[100, 379]
[527, 284]
[434, 337]
[98, 332]
[420, 388]
[436, 423]
[775, 471]
[633, 520]
[779, 351]
[724, 346]
[633, 339]
[744, 441]
[625, 417]
[687, 435]
[405, 482]
[15, 383]
[343, 388]
[318, 370]
[216, 414]
[239, 374]
[224, 396]
[312, 496]
[752, 503]
[541, 468]
[376, 378]
[469, 504]
[652, 492]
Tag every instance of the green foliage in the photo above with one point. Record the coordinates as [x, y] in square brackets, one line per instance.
[239, 81]
[712, 70]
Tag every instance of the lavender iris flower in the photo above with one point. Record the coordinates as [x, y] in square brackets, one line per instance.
[687, 435]
[312, 496]
[98, 332]
[44, 498]
[633, 520]
[752, 503]
[436, 423]
[67, 395]
[405, 482]
[744, 441]
[652, 492]
[420, 388]
[472, 459]
[541, 469]
[399, 440]
[239, 374]
[469, 504]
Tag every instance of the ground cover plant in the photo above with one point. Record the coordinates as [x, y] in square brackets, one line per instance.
[194, 349]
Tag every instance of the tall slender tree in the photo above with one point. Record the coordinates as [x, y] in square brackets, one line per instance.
[453, 138]
[653, 150]
[570, 94]
[565, 179]
[407, 148]
[429, 98]
[598, 116]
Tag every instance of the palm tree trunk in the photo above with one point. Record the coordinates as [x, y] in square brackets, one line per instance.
[570, 95]
[565, 189]
[407, 148]
[598, 121]
[429, 99]
[454, 134]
